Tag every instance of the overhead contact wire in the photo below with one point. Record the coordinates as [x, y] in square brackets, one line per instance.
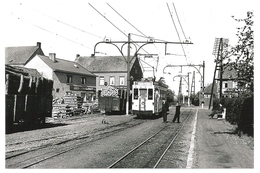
[177, 31]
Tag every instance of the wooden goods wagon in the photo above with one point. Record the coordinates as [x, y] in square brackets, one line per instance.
[28, 97]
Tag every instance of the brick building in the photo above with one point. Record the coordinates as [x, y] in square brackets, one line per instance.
[111, 70]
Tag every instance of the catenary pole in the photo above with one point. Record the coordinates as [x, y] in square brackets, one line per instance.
[128, 75]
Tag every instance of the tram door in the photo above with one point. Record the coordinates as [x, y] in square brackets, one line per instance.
[142, 99]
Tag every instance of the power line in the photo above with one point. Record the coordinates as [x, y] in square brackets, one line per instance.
[129, 24]
[108, 20]
[177, 31]
[53, 33]
[179, 20]
[148, 37]
[135, 29]
[64, 23]
[126, 20]
[112, 24]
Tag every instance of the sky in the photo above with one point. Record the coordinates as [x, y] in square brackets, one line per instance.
[67, 28]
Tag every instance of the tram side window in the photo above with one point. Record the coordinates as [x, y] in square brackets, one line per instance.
[150, 94]
[135, 93]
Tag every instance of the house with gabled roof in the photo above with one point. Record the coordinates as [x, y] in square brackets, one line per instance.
[111, 70]
[67, 76]
[229, 82]
[21, 55]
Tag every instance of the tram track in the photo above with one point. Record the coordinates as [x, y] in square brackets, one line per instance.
[155, 161]
[24, 159]
[28, 159]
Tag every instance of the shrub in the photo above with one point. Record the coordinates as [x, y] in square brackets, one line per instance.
[239, 111]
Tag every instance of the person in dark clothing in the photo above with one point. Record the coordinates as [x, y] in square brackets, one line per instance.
[177, 113]
[165, 109]
[220, 110]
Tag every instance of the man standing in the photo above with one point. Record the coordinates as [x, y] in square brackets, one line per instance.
[177, 113]
[165, 108]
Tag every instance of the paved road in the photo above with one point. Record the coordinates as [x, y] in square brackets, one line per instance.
[217, 147]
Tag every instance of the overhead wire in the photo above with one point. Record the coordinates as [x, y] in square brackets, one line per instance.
[108, 20]
[125, 19]
[179, 21]
[64, 23]
[144, 35]
[129, 24]
[68, 39]
[113, 25]
[148, 37]
[177, 31]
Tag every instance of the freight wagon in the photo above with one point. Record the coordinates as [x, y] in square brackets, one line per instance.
[28, 97]
[147, 97]
[112, 100]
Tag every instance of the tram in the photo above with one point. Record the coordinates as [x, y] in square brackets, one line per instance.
[147, 97]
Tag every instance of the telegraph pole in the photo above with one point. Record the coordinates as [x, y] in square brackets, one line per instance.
[221, 67]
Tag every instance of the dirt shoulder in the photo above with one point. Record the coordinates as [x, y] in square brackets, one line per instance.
[61, 129]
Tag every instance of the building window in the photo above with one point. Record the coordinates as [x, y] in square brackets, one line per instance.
[83, 80]
[57, 90]
[121, 80]
[69, 79]
[112, 80]
[101, 80]
[226, 85]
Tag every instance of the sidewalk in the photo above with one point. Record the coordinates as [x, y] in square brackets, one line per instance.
[216, 145]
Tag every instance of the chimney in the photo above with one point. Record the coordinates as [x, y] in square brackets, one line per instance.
[52, 56]
[39, 44]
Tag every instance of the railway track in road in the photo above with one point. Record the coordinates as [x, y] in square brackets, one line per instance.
[153, 143]
[28, 158]
[37, 156]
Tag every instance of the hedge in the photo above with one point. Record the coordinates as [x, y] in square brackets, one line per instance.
[239, 111]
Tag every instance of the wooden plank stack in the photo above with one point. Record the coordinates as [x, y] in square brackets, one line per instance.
[28, 96]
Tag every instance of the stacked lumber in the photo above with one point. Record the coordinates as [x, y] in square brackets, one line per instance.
[109, 91]
[72, 105]
[73, 100]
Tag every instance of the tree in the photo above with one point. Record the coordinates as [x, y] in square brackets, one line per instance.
[162, 80]
[243, 52]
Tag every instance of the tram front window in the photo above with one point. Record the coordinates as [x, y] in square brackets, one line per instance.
[135, 93]
[150, 94]
[143, 93]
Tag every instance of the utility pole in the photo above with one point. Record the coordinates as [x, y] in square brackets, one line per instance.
[193, 84]
[128, 59]
[194, 66]
[180, 91]
[188, 89]
[128, 75]
[218, 51]
[203, 78]
[221, 67]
